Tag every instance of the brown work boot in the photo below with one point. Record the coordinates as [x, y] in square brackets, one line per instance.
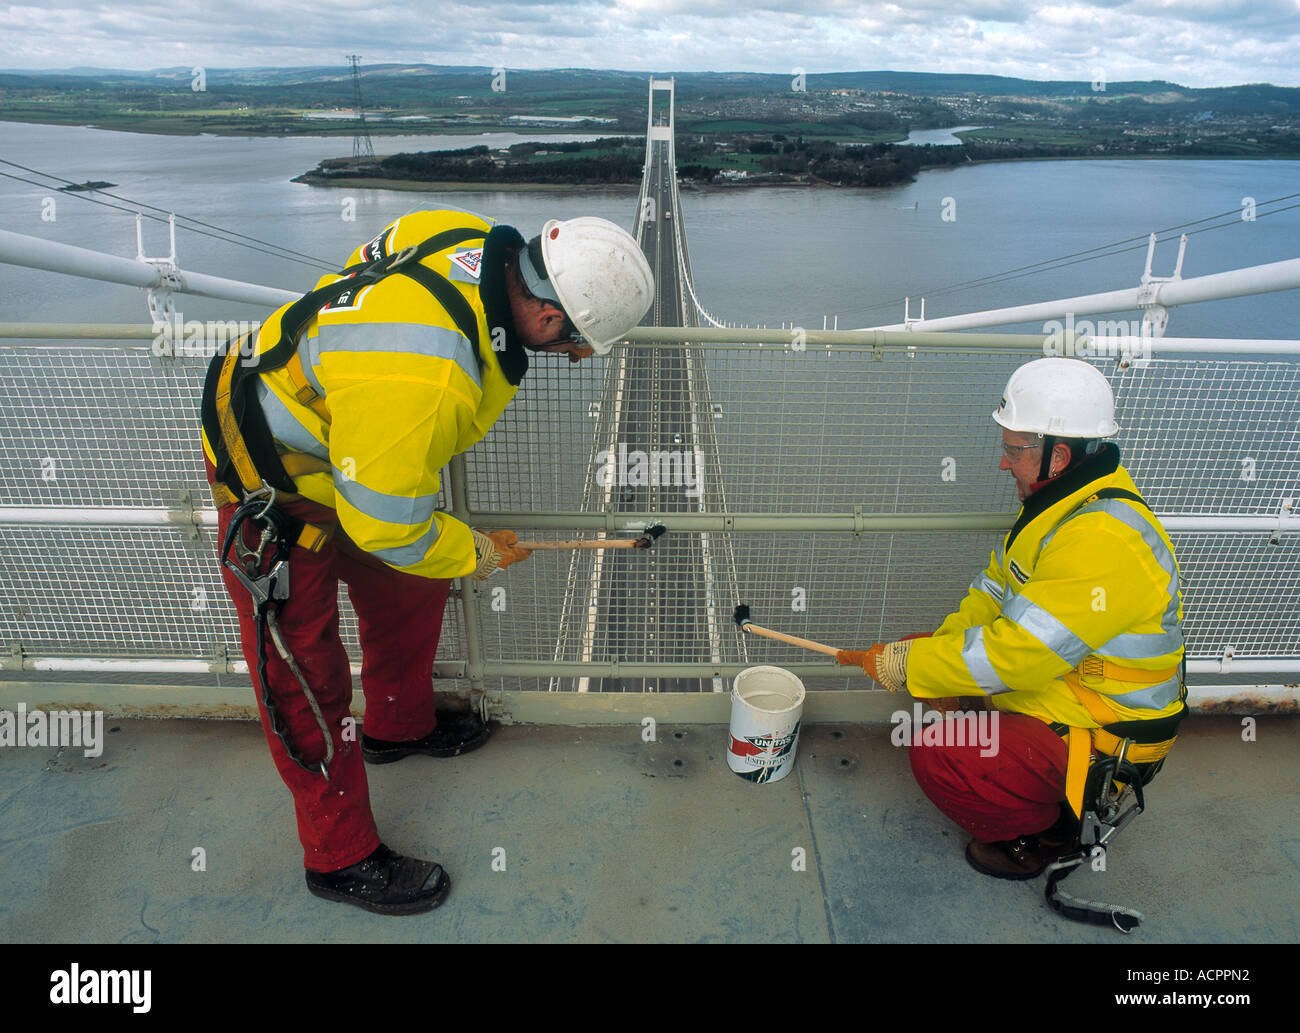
[1025, 857]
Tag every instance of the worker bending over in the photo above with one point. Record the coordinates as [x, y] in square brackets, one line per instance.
[324, 439]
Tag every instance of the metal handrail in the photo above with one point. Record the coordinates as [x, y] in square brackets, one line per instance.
[36, 253]
[1233, 283]
[798, 338]
[476, 666]
[699, 521]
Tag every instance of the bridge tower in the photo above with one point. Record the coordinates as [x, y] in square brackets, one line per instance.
[660, 123]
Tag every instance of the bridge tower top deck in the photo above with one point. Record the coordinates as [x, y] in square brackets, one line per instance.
[659, 123]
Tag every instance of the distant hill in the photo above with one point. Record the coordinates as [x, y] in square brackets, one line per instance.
[865, 106]
[394, 83]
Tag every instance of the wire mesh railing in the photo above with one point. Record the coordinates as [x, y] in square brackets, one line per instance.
[847, 493]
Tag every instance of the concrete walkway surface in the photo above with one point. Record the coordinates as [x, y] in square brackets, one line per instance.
[555, 834]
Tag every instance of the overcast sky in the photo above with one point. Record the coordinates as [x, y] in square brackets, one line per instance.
[1193, 42]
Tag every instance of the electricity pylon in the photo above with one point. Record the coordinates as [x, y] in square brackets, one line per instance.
[361, 145]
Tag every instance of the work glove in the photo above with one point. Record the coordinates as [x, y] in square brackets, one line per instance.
[493, 549]
[885, 663]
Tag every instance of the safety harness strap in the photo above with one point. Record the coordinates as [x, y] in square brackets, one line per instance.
[246, 457]
[1079, 746]
[228, 421]
[1100, 667]
[1118, 493]
[1148, 741]
[450, 298]
[302, 389]
[302, 311]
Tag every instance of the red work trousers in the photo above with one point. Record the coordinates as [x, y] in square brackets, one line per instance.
[1015, 791]
[400, 618]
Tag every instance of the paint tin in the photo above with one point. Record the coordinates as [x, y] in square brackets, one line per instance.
[766, 706]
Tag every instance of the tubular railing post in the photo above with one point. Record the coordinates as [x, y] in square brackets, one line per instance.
[458, 481]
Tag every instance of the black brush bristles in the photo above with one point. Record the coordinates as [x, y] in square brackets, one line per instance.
[741, 616]
[651, 533]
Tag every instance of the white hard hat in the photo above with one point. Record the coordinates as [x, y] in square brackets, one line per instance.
[596, 272]
[1066, 398]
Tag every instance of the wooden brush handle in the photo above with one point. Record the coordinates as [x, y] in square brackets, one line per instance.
[599, 543]
[803, 643]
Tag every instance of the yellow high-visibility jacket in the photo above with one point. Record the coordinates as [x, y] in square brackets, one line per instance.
[1081, 592]
[404, 390]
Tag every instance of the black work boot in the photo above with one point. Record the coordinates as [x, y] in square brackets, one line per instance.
[458, 731]
[386, 883]
[1026, 857]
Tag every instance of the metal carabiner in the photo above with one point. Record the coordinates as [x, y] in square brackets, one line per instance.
[259, 588]
[401, 258]
[247, 562]
[269, 502]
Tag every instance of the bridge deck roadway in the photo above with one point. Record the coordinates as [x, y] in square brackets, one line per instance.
[665, 606]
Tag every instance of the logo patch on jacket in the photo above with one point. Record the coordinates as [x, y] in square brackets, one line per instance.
[466, 265]
[349, 300]
[1020, 576]
[378, 248]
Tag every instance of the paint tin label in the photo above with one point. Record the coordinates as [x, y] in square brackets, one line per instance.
[766, 708]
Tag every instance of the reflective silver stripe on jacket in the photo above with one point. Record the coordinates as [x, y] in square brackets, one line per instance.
[284, 426]
[984, 583]
[1008, 591]
[1048, 630]
[1154, 697]
[976, 658]
[407, 338]
[1121, 511]
[408, 555]
[1132, 646]
[390, 509]
[1117, 509]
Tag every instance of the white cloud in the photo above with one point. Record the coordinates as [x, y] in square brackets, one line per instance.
[1200, 42]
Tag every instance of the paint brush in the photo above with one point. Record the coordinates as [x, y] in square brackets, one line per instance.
[646, 540]
[741, 617]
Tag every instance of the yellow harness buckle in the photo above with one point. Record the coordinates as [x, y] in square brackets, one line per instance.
[303, 391]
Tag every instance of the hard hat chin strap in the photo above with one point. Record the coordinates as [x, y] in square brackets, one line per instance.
[1079, 450]
[1044, 468]
[533, 271]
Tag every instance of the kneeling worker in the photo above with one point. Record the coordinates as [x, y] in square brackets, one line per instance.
[324, 439]
[1072, 633]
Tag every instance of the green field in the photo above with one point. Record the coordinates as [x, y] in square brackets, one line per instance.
[1054, 136]
[1036, 119]
[810, 130]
